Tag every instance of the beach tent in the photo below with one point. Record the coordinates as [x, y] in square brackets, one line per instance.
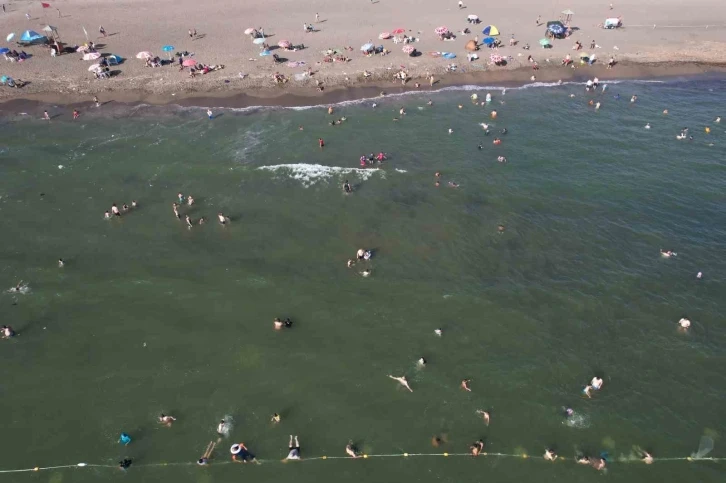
[490, 30]
[30, 36]
[488, 41]
[612, 23]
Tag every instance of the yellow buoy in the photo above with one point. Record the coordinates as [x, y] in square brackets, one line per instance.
[405, 454]
[708, 130]
[325, 457]
[446, 454]
[365, 456]
[36, 469]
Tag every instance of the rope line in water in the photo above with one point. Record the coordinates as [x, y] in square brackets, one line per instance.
[361, 457]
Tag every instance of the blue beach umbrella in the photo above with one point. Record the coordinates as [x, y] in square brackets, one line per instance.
[4, 50]
[489, 40]
[31, 36]
[448, 55]
[167, 48]
[3, 79]
[490, 30]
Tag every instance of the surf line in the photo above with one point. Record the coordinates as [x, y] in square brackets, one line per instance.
[363, 456]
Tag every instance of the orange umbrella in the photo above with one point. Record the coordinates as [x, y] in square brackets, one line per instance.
[189, 63]
[398, 31]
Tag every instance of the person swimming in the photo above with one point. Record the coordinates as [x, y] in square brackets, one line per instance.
[188, 220]
[360, 254]
[366, 273]
[190, 200]
[351, 450]
[647, 126]
[684, 323]
[421, 362]
[438, 332]
[484, 415]
[501, 159]
[275, 418]
[550, 455]
[294, 453]
[115, 210]
[175, 207]
[61, 263]
[166, 419]
[504, 131]
[124, 464]
[667, 253]
[180, 197]
[480, 147]
[402, 380]
[596, 383]
[107, 215]
[367, 255]
[346, 187]
[465, 385]
[569, 412]
[476, 447]
[586, 391]
[497, 141]
[222, 219]
[7, 332]
[350, 263]
[222, 428]
[699, 275]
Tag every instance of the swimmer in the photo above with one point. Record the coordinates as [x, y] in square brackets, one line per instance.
[360, 254]
[497, 141]
[350, 263]
[572, 95]
[465, 385]
[504, 131]
[330, 109]
[501, 228]
[61, 263]
[7, 332]
[277, 324]
[583, 460]
[202, 220]
[124, 464]
[684, 323]
[125, 207]
[438, 332]
[107, 215]
[494, 114]
[366, 273]
[402, 112]
[634, 98]
[451, 131]
[485, 416]
[550, 455]
[421, 362]
[222, 219]
[666, 253]
[569, 412]
[430, 103]
[294, 453]
[189, 221]
[166, 419]
[300, 128]
[591, 103]
[502, 159]
[402, 380]
[374, 105]
[484, 125]
[598, 464]
[665, 112]
[133, 204]
[461, 107]
[367, 255]
[181, 198]
[175, 207]
[437, 184]
[275, 418]
[288, 323]
[718, 119]
[351, 450]
[452, 184]
[346, 187]
[204, 460]
[240, 453]
[586, 391]
[646, 458]
[699, 275]
[476, 447]
[596, 383]
[436, 441]
[647, 126]
[597, 105]
[190, 200]
[480, 146]
[115, 210]
[222, 428]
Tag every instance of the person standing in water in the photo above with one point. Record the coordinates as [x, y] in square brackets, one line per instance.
[346, 187]
[222, 219]
[321, 143]
[175, 207]
[465, 385]
[294, 453]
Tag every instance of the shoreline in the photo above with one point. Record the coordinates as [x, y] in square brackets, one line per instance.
[305, 96]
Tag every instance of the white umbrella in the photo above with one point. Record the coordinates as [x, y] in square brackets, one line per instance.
[50, 28]
[82, 48]
[10, 37]
[258, 41]
[91, 56]
[144, 55]
[94, 67]
[249, 31]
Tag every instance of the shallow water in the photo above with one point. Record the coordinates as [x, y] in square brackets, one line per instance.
[149, 316]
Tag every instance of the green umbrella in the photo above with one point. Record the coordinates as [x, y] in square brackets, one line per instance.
[544, 42]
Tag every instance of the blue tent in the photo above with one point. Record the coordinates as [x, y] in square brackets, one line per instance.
[4, 50]
[31, 36]
[489, 40]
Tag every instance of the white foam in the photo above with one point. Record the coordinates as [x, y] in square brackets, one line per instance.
[309, 174]
[401, 171]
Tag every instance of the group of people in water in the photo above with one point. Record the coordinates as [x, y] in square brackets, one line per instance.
[189, 201]
[115, 211]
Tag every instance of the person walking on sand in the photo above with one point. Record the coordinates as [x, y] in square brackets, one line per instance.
[402, 380]
[102, 30]
[317, 17]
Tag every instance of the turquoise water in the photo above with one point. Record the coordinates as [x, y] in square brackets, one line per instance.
[149, 316]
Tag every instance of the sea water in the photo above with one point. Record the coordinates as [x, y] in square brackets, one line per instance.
[148, 316]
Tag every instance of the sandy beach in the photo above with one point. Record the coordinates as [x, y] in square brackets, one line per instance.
[662, 40]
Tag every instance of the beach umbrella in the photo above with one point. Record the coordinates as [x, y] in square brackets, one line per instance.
[441, 30]
[249, 31]
[10, 37]
[568, 12]
[366, 47]
[448, 55]
[4, 79]
[31, 36]
[50, 28]
[495, 58]
[408, 49]
[167, 48]
[584, 55]
[91, 56]
[488, 40]
[144, 55]
[284, 44]
[471, 45]
[490, 30]
[258, 41]
[82, 48]
[398, 31]
[94, 67]
[384, 35]
[544, 42]
[265, 53]
[4, 50]
[189, 63]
